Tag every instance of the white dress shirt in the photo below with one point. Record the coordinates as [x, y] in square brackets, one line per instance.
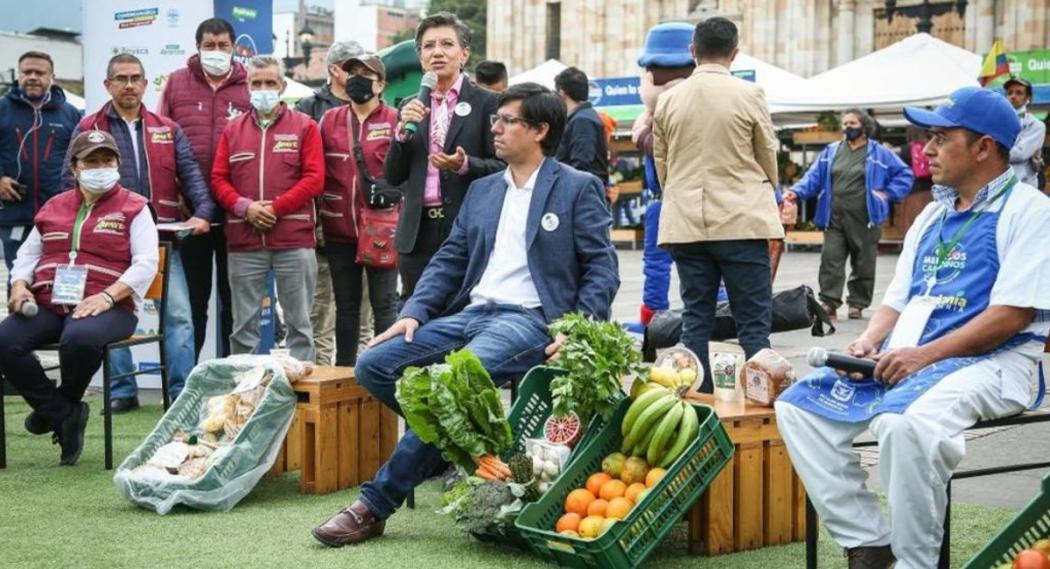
[138, 276]
[507, 279]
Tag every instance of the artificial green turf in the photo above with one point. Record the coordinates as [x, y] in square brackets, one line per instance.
[61, 517]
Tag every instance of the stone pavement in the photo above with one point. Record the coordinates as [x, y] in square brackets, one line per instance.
[999, 446]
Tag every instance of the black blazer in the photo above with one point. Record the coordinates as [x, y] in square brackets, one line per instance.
[406, 163]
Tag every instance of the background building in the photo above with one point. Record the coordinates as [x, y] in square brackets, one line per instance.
[63, 46]
[375, 24]
[806, 37]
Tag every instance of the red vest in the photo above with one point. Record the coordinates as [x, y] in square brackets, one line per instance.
[160, 159]
[105, 241]
[264, 165]
[343, 196]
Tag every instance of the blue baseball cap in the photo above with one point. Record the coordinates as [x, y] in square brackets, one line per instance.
[980, 110]
[667, 45]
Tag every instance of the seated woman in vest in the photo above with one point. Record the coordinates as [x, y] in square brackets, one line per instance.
[91, 255]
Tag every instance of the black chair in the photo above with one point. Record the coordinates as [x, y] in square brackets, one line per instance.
[1041, 415]
[158, 293]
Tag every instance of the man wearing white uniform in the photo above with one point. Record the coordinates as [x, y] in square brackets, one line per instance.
[956, 340]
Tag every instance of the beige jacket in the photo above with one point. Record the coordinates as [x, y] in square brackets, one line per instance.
[716, 157]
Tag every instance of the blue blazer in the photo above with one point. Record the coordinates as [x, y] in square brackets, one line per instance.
[574, 266]
[883, 171]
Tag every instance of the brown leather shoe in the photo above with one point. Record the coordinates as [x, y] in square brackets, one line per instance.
[856, 313]
[349, 527]
[879, 557]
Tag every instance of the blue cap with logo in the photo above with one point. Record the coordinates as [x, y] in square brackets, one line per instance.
[974, 108]
[667, 45]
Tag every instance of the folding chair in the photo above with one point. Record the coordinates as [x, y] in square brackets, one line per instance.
[158, 292]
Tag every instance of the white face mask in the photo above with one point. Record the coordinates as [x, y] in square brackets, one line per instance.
[216, 62]
[98, 180]
[265, 100]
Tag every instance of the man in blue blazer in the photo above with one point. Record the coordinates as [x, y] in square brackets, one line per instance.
[528, 245]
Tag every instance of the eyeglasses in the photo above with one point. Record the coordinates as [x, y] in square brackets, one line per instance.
[125, 79]
[507, 120]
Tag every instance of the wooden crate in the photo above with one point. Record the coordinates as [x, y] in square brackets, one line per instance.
[340, 435]
[758, 500]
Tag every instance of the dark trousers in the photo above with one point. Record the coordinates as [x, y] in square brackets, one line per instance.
[744, 266]
[849, 236]
[197, 254]
[346, 283]
[80, 346]
[428, 241]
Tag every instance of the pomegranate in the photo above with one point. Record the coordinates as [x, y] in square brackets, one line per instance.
[565, 430]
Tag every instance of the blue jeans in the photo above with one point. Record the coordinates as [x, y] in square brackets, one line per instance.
[656, 262]
[509, 340]
[178, 339]
[744, 265]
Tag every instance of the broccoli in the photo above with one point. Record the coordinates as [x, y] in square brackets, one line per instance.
[483, 511]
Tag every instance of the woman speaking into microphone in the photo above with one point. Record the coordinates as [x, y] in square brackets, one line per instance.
[91, 255]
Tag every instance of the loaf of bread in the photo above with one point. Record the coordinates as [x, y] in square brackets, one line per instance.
[766, 375]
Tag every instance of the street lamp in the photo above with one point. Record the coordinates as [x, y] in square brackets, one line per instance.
[925, 12]
[306, 44]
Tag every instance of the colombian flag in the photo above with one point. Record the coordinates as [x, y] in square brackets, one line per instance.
[995, 64]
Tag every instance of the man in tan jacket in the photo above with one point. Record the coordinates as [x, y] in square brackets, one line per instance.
[715, 154]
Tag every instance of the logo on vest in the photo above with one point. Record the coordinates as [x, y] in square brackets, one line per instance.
[843, 392]
[160, 135]
[232, 112]
[379, 131]
[113, 224]
[286, 143]
[954, 264]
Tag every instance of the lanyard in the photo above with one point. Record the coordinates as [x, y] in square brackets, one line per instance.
[78, 223]
[944, 249]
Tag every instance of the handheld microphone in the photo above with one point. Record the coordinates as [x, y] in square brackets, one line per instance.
[819, 357]
[28, 308]
[429, 81]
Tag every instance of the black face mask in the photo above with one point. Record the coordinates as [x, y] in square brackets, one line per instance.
[853, 132]
[359, 89]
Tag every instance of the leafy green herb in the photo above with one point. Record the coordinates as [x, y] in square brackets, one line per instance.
[456, 407]
[596, 355]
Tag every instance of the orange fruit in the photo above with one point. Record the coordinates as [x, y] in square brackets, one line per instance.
[619, 508]
[594, 483]
[612, 489]
[635, 469]
[633, 491]
[578, 500]
[597, 507]
[569, 533]
[654, 476]
[591, 526]
[569, 521]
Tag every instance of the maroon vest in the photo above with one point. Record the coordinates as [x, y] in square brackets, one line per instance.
[343, 196]
[203, 112]
[161, 161]
[264, 165]
[105, 241]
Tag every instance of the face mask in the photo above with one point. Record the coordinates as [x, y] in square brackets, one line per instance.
[359, 89]
[265, 100]
[216, 62]
[98, 180]
[853, 132]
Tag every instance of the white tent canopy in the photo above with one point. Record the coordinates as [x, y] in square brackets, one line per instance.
[75, 100]
[918, 70]
[543, 74]
[295, 90]
[777, 83]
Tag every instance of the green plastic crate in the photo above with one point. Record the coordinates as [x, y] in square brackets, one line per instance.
[1030, 525]
[530, 411]
[628, 542]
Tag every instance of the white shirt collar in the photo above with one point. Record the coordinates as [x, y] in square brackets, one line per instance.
[529, 184]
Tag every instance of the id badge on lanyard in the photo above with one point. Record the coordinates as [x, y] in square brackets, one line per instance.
[70, 281]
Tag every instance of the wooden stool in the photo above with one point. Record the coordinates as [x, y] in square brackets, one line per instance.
[758, 500]
[340, 435]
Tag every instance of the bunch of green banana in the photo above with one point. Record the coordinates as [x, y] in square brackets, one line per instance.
[659, 426]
